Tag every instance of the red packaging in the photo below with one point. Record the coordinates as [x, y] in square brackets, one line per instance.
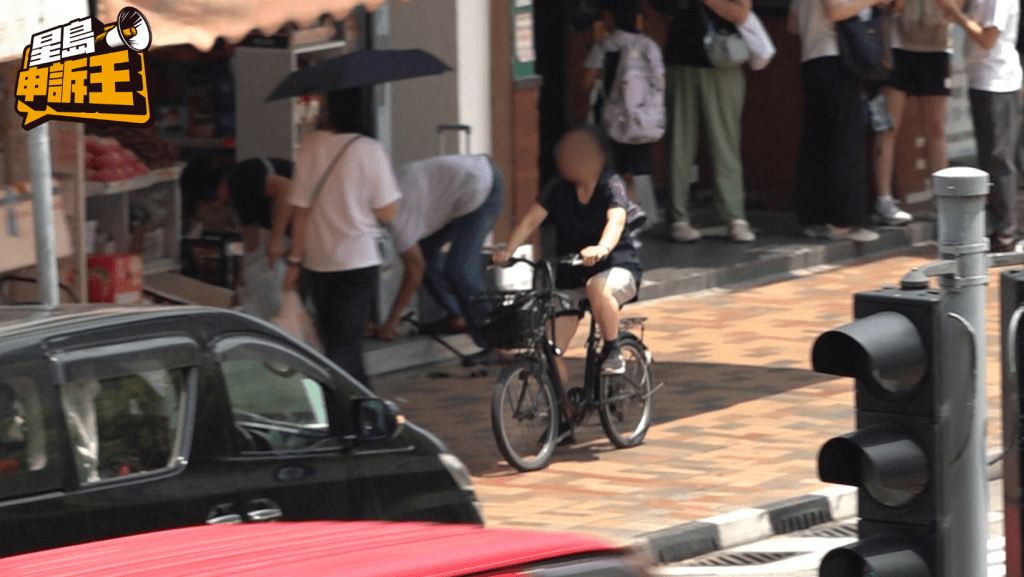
[115, 278]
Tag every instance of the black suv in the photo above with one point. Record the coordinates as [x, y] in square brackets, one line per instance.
[115, 421]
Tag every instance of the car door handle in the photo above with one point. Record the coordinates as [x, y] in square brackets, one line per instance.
[222, 515]
[259, 515]
[230, 519]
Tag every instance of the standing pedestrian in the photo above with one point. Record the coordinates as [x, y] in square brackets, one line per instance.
[700, 94]
[451, 200]
[994, 74]
[831, 171]
[343, 189]
[627, 69]
[921, 46]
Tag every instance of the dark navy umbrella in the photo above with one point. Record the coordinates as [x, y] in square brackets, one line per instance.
[361, 68]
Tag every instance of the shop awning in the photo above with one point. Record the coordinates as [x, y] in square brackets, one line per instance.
[20, 20]
[201, 22]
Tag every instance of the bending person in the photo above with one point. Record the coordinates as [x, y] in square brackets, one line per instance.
[454, 199]
[258, 188]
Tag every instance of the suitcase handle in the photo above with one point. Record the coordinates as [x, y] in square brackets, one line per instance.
[457, 128]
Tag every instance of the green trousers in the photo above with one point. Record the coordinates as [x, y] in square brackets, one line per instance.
[712, 97]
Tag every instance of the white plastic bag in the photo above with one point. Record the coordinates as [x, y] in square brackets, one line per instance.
[294, 320]
[762, 49]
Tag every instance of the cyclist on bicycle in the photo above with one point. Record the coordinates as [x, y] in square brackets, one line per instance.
[588, 204]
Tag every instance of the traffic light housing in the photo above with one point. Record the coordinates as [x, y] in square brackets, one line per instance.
[892, 350]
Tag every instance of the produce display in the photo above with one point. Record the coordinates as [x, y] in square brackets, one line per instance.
[116, 151]
[106, 160]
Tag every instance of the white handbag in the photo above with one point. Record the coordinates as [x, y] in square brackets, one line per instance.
[754, 34]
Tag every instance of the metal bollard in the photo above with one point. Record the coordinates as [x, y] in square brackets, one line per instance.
[47, 279]
[960, 195]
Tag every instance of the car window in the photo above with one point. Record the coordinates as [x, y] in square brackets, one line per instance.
[28, 452]
[125, 424]
[276, 407]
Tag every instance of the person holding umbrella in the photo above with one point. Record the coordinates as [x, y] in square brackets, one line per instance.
[343, 189]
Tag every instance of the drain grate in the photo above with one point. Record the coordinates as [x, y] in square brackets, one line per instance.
[832, 530]
[738, 559]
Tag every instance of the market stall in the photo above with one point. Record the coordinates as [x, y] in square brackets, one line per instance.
[118, 196]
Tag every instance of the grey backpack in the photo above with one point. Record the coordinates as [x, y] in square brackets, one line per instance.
[634, 107]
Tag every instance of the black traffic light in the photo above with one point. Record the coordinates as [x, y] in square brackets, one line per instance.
[892, 350]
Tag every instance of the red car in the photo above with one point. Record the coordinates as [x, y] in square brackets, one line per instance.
[334, 549]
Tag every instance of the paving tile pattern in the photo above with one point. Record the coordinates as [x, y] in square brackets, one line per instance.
[738, 423]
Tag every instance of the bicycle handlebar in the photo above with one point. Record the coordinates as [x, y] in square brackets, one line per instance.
[571, 260]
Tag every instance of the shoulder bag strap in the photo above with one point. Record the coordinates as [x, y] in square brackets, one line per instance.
[330, 168]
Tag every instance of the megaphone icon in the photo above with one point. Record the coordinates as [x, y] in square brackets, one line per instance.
[131, 30]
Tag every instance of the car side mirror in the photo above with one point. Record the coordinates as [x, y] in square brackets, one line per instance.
[376, 420]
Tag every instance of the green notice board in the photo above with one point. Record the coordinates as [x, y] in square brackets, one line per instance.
[523, 53]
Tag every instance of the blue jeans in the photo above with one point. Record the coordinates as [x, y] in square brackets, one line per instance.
[456, 278]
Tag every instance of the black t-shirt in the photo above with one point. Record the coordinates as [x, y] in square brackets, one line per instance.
[247, 185]
[685, 44]
[581, 225]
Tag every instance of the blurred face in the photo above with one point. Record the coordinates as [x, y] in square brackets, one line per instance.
[579, 157]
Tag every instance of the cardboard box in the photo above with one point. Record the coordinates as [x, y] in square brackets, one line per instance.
[115, 278]
[17, 230]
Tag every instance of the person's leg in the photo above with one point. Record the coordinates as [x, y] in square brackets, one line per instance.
[811, 178]
[885, 142]
[884, 155]
[434, 278]
[722, 96]
[996, 126]
[934, 108]
[607, 291]
[683, 86]
[342, 301]
[464, 265]
[847, 200]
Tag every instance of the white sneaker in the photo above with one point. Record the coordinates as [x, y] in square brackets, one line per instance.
[888, 213]
[614, 364]
[854, 234]
[739, 231]
[683, 232]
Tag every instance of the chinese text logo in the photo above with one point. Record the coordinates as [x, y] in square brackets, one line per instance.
[84, 71]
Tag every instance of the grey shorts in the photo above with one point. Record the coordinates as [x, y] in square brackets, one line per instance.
[619, 280]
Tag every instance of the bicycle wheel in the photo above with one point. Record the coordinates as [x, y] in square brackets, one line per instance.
[524, 416]
[625, 400]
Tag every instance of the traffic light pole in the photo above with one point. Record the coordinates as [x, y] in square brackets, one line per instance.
[960, 195]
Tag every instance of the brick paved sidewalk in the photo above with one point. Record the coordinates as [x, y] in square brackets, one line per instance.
[738, 423]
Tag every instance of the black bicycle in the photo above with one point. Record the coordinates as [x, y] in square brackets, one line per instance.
[532, 411]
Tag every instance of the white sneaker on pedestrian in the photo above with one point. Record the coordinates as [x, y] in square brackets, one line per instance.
[683, 232]
[888, 213]
[739, 231]
[854, 234]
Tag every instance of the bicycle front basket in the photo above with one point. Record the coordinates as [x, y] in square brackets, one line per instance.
[516, 321]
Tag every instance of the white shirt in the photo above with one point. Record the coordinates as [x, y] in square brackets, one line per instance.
[342, 228]
[817, 32]
[998, 69]
[436, 191]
